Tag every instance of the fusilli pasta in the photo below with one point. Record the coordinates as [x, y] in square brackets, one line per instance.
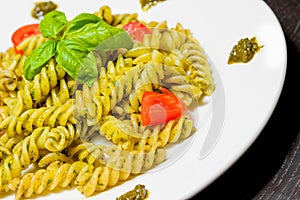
[92, 137]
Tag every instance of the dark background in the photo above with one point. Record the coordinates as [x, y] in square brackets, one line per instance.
[270, 169]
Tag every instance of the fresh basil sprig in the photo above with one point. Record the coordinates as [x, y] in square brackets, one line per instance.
[52, 24]
[72, 44]
[38, 58]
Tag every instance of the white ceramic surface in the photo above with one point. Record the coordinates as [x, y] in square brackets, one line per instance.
[231, 119]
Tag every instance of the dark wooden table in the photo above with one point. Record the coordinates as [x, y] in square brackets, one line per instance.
[270, 169]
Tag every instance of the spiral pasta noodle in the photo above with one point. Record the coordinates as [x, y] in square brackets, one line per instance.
[129, 90]
[105, 13]
[96, 102]
[184, 51]
[135, 161]
[8, 80]
[51, 157]
[4, 112]
[13, 62]
[57, 174]
[175, 78]
[30, 43]
[84, 175]
[199, 70]
[38, 117]
[121, 133]
[30, 94]
[4, 152]
[87, 152]
[129, 82]
[56, 132]
[6, 145]
[28, 150]
[103, 177]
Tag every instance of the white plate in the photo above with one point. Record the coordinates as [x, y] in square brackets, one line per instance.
[233, 117]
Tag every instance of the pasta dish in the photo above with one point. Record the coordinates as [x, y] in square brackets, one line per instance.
[93, 101]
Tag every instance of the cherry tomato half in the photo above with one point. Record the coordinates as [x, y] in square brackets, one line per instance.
[136, 30]
[160, 108]
[24, 32]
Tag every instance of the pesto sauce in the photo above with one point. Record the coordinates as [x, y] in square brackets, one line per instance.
[147, 4]
[42, 8]
[244, 51]
[138, 193]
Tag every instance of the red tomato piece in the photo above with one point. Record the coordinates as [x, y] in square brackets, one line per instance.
[136, 30]
[160, 108]
[24, 32]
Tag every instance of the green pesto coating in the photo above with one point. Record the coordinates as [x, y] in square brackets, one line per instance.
[42, 8]
[244, 51]
[147, 4]
[138, 193]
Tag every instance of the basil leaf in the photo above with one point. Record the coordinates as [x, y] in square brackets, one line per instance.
[88, 72]
[81, 20]
[74, 44]
[38, 58]
[93, 35]
[53, 23]
[90, 35]
[119, 40]
[77, 61]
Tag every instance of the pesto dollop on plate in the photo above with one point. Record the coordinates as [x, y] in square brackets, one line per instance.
[244, 50]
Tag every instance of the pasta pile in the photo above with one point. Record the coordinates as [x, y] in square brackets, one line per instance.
[53, 123]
